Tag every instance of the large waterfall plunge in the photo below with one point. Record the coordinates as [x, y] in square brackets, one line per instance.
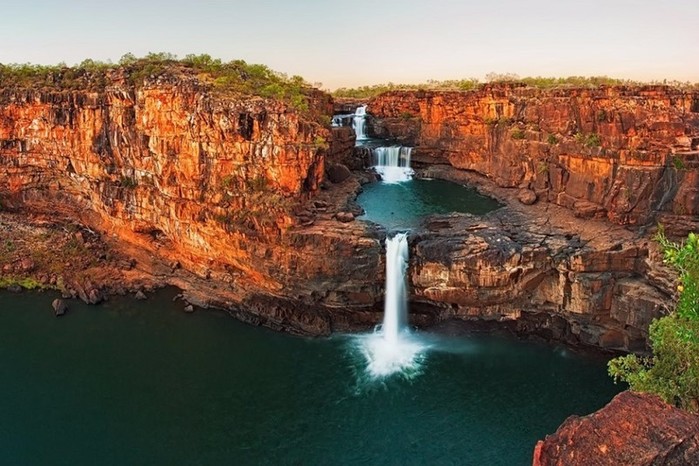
[393, 163]
[392, 348]
[396, 301]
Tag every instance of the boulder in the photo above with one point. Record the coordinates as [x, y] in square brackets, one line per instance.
[338, 173]
[94, 296]
[14, 288]
[527, 197]
[189, 308]
[633, 429]
[26, 265]
[344, 217]
[140, 295]
[59, 307]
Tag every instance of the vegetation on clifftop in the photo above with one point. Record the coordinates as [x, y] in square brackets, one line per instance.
[672, 372]
[234, 77]
[365, 92]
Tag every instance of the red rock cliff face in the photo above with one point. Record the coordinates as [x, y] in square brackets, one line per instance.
[622, 153]
[209, 178]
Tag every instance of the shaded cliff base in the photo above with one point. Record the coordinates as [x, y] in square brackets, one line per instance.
[634, 429]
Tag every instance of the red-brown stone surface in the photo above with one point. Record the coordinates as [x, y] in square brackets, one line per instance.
[215, 183]
[634, 429]
[582, 281]
[624, 153]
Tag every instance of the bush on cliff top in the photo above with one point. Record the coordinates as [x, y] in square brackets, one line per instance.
[672, 372]
[233, 77]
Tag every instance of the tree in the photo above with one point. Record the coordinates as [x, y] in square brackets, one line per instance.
[672, 372]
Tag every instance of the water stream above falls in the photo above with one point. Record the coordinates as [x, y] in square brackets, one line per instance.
[141, 382]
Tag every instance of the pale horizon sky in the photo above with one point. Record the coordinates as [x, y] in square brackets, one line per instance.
[360, 42]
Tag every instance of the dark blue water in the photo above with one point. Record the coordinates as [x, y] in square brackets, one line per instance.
[404, 205]
[133, 382]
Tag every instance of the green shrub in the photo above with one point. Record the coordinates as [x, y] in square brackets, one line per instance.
[678, 163]
[518, 134]
[672, 372]
[589, 140]
[234, 77]
[552, 140]
[128, 182]
[320, 143]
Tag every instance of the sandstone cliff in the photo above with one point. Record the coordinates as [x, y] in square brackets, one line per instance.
[628, 154]
[210, 181]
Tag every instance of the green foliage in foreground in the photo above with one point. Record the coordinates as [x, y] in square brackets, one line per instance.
[672, 372]
[233, 77]
[540, 82]
[25, 282]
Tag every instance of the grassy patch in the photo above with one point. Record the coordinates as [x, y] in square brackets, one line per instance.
[27, 283]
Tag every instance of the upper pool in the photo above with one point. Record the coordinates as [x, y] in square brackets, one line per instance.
[404, 205]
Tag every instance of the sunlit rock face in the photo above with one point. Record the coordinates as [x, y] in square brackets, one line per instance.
[595, 287]
[210, 181]
[633, 429]
[628, 154]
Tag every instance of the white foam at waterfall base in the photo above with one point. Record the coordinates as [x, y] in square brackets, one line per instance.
[393, 348]
[393, 163]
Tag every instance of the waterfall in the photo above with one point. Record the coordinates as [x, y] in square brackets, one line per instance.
[396, 301]
[393, 348]
[393, 163]
[359, 122]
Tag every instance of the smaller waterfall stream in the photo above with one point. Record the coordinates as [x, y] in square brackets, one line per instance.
[359, 123]
[393, 163]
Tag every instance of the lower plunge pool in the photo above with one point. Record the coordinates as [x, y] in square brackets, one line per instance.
[141, 382]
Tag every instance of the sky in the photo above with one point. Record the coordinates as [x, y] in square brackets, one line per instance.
[348, 43]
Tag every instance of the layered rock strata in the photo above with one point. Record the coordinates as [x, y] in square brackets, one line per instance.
[216, 184]
[584, 282]
[627, 154]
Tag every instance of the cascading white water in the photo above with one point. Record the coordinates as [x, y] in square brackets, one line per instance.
[393, 163]
[392, 348]
[396, 302]
[360, 122]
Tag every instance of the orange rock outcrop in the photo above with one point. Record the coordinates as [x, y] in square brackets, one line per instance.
[634, 429]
